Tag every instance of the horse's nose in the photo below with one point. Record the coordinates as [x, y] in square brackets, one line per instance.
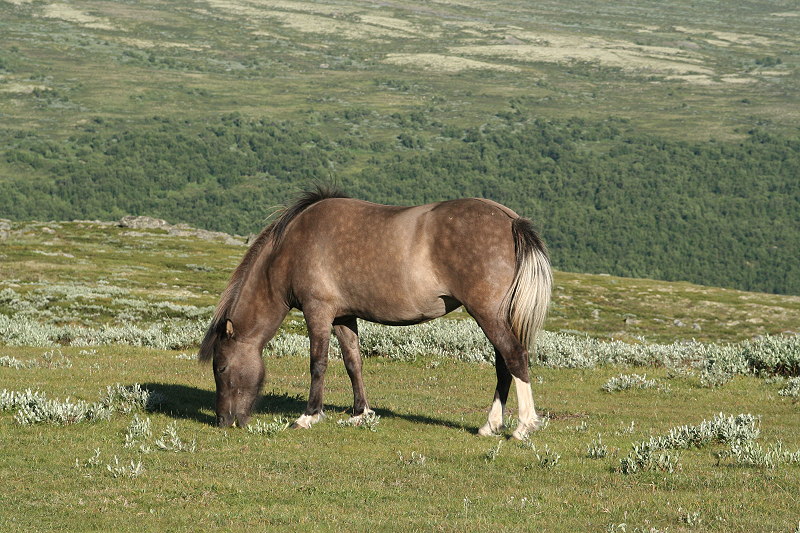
[225, 420]
[242, 419]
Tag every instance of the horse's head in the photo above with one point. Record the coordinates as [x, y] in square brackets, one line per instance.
[239, 373]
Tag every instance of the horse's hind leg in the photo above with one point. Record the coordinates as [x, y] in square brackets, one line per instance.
[346, 331]
[515, 360]
[495, 422]
[319, 333]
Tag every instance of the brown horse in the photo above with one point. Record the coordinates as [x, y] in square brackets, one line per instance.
[337, 259]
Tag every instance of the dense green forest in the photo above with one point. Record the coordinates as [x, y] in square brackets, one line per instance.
[607, 197]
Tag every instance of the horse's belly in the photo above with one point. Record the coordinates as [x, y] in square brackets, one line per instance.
[397, 310]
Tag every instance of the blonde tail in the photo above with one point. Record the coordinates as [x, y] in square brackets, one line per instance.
[529, 295]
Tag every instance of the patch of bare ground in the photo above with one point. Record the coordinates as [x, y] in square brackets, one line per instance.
[444, 63]
[617, 54]
[69, 13]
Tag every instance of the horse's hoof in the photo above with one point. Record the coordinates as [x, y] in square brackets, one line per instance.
[520, 435]
[357, 420]
[488, 431]
[306, 421]
[523, 431]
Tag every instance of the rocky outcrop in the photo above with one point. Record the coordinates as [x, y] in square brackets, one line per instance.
[178, 230]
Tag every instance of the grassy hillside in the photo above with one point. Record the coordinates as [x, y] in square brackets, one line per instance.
[95, 275]
[422, 468]
[105, 418]
[691, 69]
[646, 140]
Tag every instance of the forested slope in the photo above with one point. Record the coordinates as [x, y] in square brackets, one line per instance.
[607, 197]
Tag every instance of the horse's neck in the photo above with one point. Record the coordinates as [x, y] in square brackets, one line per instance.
[257, 313]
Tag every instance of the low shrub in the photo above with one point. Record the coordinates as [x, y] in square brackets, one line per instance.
[36, 408]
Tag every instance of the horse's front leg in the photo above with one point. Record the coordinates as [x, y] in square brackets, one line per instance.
[319, 333]
[346, 331]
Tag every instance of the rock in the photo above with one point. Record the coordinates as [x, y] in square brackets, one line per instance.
[510, 39]
[677, 322]
[178, 230]
[140, 222]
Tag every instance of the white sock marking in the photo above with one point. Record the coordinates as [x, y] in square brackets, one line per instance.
[306, 421]
[495, 422]
[357, 420]
[528, 419]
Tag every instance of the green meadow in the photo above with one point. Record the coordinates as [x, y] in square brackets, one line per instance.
[648, 141]
[640, 435]
[705, 67]
[422, 468]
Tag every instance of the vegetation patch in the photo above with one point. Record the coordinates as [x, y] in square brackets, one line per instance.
[70, 14]
[655, 453]
[631, 381]
[33, 407]
[444, 63]
[625, 56]
[791, 389]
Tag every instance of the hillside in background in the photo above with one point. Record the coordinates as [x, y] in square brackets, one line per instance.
[646, 140]
[165, 280]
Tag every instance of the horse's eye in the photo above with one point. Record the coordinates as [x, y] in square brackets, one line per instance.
[221, 369]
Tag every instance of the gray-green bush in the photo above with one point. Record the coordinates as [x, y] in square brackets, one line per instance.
[446, 339]
[653, 454]
[791, 389]
[36, 408]
[630, 381]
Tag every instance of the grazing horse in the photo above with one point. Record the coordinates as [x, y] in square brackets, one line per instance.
[337, 259]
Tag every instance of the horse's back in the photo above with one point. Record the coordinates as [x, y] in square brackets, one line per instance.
[452, 230]
[400, 264]
[341, 217]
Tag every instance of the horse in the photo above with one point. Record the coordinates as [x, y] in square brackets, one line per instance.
[337, 259]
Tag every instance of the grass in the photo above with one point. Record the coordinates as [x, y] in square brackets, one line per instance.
[293, 480]
[420, 465]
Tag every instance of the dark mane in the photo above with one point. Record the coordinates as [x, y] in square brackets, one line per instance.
[308, 198]
[271, 235]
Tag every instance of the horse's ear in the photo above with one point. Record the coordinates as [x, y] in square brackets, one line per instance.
[224, 329]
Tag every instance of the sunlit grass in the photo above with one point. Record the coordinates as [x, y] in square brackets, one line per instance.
[297, 478]
[419, 461]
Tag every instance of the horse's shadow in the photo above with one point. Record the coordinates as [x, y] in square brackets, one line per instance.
[184, 402]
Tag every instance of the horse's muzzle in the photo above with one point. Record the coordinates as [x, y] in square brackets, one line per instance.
[226, 420]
